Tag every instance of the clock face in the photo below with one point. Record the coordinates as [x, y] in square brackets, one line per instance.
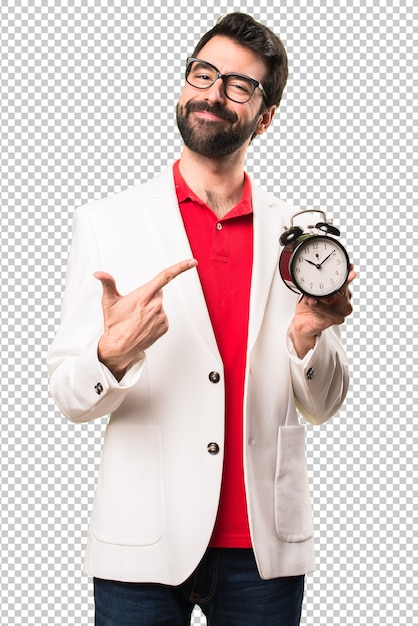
[319, 266]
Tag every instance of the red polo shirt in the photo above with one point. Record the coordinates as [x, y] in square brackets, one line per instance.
[224, 250]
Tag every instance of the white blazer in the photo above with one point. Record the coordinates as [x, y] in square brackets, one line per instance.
[158, 486]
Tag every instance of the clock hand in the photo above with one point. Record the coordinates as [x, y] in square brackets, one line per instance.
[317, 265]
[327, 257]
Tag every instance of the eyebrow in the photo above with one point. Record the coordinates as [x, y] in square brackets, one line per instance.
[201, 63]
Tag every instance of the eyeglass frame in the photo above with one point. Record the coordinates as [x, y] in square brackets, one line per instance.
[253, 81]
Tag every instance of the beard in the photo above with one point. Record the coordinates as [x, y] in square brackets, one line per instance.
[205, 137]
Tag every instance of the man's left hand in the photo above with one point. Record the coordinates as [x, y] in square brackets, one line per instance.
[313, 315]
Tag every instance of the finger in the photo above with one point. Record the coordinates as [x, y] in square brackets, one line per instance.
[328, 315]
[109, 285]
[165, 276]
[344, 291]
[351, 275]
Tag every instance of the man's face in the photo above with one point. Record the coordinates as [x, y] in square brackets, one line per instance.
[211, 124]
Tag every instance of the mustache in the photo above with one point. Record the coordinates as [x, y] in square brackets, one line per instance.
[216, 109]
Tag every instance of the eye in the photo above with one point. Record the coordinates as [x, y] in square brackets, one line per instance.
[240, 85]
[201, 75]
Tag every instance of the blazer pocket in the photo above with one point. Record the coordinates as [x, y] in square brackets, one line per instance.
[128, 508]
[292, 498]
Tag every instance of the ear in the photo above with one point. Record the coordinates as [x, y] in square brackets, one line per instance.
[265, 120]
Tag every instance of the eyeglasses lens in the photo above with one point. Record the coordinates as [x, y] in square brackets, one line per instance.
[202, 76]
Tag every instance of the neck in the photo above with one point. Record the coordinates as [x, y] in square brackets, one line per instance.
[217, 182]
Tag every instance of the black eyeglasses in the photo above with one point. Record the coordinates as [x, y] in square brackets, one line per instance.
[237, 87]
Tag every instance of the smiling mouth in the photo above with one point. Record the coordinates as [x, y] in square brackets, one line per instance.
[210, 117]
[215, 114]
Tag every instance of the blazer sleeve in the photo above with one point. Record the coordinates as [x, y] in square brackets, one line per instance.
[81, 386]
[320, 380]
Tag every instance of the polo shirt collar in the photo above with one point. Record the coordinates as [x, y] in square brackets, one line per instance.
[184, 193]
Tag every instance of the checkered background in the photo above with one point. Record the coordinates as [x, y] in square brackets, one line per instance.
[88, 91]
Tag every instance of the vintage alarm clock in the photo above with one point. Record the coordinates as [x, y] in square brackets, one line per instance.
[312, 261]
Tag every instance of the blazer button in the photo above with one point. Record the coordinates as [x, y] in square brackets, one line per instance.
[213, 448]
[310, 374]
[214, 377]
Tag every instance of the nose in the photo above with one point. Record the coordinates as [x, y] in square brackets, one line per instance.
[216, 92]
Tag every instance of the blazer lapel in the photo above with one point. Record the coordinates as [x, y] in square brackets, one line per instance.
[173, 246]
[268, 220]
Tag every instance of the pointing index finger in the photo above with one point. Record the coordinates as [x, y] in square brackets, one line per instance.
[165, 276]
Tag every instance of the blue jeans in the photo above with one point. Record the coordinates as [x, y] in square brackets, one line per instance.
[226, 585]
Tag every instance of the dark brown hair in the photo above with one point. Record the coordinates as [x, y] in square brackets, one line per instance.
[245, 31]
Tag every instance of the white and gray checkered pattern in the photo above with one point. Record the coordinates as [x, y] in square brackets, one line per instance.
[88, 90]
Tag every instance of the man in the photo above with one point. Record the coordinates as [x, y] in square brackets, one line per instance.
[203, 495]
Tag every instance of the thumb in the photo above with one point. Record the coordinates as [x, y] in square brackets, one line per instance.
[110, 291]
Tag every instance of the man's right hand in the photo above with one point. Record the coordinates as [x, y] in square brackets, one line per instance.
[132, 323]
